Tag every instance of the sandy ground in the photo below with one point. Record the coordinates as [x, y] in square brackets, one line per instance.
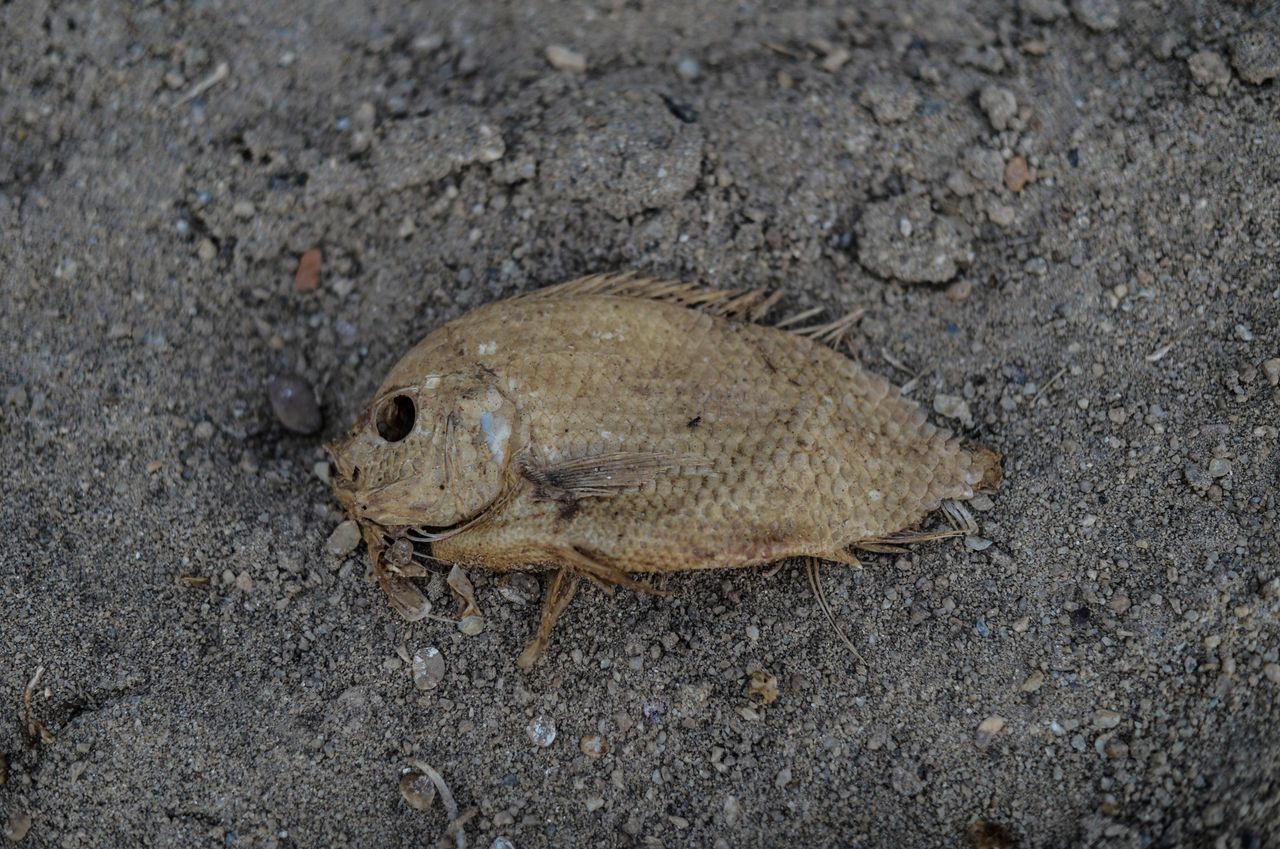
[1063, 223]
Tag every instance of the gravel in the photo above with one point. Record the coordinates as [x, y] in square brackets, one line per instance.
[210, 674]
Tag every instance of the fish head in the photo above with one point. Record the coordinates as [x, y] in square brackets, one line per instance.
[428, 455]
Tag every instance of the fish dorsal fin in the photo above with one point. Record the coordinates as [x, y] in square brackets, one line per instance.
[750, 305]
[739, 304]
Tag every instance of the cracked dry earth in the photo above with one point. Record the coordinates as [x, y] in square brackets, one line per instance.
[1062, 221]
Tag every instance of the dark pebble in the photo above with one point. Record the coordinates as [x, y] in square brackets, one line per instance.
[294, 403]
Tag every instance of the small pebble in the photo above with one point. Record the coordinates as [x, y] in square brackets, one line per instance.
[783, 777]
[19, 823]
[960, 290]
[1272, 671]
[428, 668]
[593, 745]
[1256, 54]
[1044, 11]
[471, 625]
[1033, 682]
[243, 209]
[519, 588]
[502, 842]
[307, 277]
[1000, 106]
[988, 729]
[206, 250]
[891, 101]
[542, 732]
[204, 431]
[1271, 368]
[294, 403]
[343, 540]
[1016, 174]
[1097, 15]
[1209, 71]
[1243, 333]
[418, 790]
[835, 60]
[563, 59]
[1106, 719]
[688, 69]
[953, 407]
[1219, 467]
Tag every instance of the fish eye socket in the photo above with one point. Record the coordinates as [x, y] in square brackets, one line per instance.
[396, 417]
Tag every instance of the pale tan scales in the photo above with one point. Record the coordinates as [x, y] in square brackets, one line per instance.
[638, 426]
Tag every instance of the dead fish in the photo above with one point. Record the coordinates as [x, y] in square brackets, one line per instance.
[615, 425]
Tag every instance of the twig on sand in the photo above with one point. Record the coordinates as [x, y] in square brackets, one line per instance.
[453, 832]
[219, 74]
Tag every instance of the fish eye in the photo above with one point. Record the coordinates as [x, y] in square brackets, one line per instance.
[396, 417]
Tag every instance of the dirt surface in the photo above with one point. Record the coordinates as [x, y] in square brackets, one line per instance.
[1063, 224]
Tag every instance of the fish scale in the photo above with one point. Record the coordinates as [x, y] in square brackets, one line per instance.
[640, 427]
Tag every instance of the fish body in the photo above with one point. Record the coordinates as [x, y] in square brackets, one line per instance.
[614, 425]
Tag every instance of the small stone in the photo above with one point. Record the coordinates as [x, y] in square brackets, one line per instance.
[891, 101]
[1209, 71]
[688, 69]
[1120, 605]
[1022, 624]
[953, 407]
[418, 790]
[294, 403]
[563, 59]
[203, 431]
[17, 826]
[206, 250]
[783, 778]
[542, 732]
[244, 582]
[471, 625]
[932, 250]
[1115, 748]
[519, 588]
[1044, 11]
[1256, 55]
[343, 540]
[1033, 682]
[1000, 106]
[307, 276]
[763, 687]
[1117, 415]
[960, 290]
[594, 803]
[988, 729]
[593, 745]
[1105, 720]
[502, 842]
[835, 60]
[243, 209]
[1272, 671]
[1271, 368]
[428, 668]
[732, 810]
[1219, 467]
[1097, 15]
[1243, 333]
[1196, 476]
[1016, 174]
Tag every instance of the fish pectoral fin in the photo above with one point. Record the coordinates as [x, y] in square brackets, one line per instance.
[602, 574]
[559, 594]
[605, 474]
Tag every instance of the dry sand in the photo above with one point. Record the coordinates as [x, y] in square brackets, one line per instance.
[1099, 667]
